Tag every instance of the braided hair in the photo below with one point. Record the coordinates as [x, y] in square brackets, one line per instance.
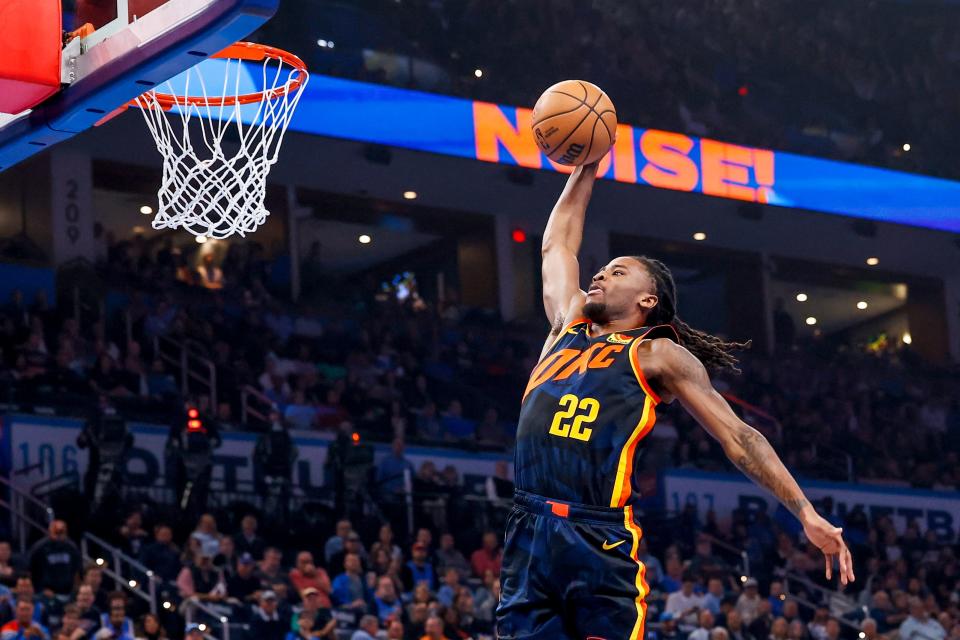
[714, 353]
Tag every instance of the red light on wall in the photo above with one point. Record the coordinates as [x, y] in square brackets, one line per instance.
[519, 236]
[194, 425]
[356, 437]
[193, 414]
[743, 90]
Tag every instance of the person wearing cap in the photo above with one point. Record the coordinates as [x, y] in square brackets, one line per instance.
[323, 621]
[266, 623]
[748, 604]
[308, 575]
[418, 569]
[244, 585]
[192, 632]
[668, 627]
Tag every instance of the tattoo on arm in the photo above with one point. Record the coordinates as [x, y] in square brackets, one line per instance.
[760, 463]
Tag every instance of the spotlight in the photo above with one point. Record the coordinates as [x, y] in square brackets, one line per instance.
[133, 584]
[906, 146]
[862, 305]
[409, 195]
[478, 73]
[167, 605]
[811, 321]
[364, 239]
[202, 627]
[801, 297]
[699, 236]
[146, 209]
[907, 338]
[743, 578]
[100, 562]
[873, 261]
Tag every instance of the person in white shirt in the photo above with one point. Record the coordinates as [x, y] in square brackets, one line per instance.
[685, 604]
[706, 624]
[920, 626]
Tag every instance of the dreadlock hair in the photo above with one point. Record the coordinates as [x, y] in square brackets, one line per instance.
[714, 353]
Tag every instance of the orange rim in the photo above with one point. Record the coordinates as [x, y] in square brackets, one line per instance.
[249, 51]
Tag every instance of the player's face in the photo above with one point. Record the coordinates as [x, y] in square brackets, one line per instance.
[620, 288]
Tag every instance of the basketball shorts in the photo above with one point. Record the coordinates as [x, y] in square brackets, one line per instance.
[570, 572]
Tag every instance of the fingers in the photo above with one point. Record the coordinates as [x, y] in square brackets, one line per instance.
[851, 577]
[828, 560]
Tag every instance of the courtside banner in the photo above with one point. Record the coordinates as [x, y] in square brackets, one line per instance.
[36, 448]
[495, 133]
[722, 493]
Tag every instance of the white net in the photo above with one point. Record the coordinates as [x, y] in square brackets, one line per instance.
[217, 151]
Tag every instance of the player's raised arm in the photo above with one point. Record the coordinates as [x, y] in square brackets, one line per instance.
[561, 243]
[686, 378]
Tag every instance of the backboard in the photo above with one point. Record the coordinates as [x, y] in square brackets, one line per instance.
[122, 48]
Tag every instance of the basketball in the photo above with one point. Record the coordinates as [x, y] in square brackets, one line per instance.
[574, 122]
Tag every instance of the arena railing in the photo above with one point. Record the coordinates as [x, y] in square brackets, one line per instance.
[191, 363]
[17, 502]
[113, 562]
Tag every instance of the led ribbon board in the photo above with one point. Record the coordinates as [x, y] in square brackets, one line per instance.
[496, 133]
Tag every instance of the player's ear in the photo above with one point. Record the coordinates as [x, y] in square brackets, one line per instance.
[647, 301]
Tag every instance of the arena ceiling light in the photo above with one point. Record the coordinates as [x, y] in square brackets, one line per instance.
[699, 236]
[811, 321]
[409, 195]
[906, 146]
[478, 73]
[801, 297]
[325, 44]
[364, 239]
[862, 305]
[907, 338]
[146, 209]
[873, 261]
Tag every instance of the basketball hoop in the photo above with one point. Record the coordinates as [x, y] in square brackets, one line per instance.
[214, 185]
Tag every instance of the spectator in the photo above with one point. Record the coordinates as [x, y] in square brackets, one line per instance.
[248, 541]
[88, 611]
[269, 569]
[833, 629]
[307, 574]
[418, 570]
[336, 543]
[55, 561]
[266, 623]
[23, 626]
[869, 629]
[115, 625]
[24, 591]
[390, 471]
[685, 604]
[668, 627]
[8, 570]
[211, 276]
[654, 570]
[777, 597]
[714, 596]
[449, 557]
[920, 626]
[323, 623]
[352, 545]
[486, 598]
[748, 604]
[489, 556]
[206, 537]
[369, 627]
[162, 556]
[385, 542]
[132, 535]
[434, 629]
[386, 601]
[796, 631]
[818, 626]
[226, 558]
[244, 586]
[348, 588]
[93, 576]
[735, 627]
[704, 562]
[70, 623]
[150, 628]
[450, 588]
[705, 621]
[779, 629]
[201, 580]
[193, 632]
[395, 630]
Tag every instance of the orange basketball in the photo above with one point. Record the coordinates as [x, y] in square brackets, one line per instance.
[574, 122]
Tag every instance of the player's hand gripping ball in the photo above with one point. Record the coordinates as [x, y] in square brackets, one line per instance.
[574, 122]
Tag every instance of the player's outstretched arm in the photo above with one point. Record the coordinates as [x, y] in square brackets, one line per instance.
[561, 243]
[687, 379]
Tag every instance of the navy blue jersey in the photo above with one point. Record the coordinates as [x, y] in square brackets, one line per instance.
[585, 411]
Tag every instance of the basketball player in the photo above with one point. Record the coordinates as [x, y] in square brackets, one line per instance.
[616, 351]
